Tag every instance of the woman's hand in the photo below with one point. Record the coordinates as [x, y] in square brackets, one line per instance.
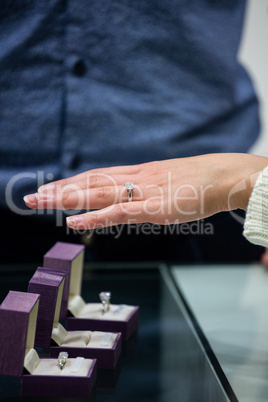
[166, 192]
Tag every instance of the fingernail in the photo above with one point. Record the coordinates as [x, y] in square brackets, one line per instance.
[74, 220]
[46, 187]
[44, 196]
[30, 199]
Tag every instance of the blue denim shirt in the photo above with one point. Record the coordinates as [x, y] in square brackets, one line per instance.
[87, 84]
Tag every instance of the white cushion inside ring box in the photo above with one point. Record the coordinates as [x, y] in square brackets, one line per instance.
[49, 367]
[98, 340]
[76, 305]
[62, 337]
[82, 339]
[80, 309]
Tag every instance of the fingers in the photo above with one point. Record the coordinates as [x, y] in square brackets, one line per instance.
[82, 199]
[93, 178]
[124, 213]
[93, 198]
[103, 190]
[64, 194]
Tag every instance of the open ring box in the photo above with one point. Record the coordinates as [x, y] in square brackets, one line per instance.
[18, 358]
[81, 315]
[103, 346]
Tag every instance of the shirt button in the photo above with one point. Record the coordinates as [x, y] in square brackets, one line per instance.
[79, 68]
[74, 162]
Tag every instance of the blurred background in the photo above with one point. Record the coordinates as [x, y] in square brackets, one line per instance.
[255, 57]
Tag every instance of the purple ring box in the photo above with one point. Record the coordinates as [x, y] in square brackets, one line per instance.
[18, 316]
[49, 284]
[127, 327]
[106, 358]
[69, 258]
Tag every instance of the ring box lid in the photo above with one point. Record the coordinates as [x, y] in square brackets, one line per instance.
[18, 315]
[49, 284]
[67, 257]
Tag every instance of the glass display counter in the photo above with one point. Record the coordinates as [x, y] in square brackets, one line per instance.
[229, 307]
[167, 359]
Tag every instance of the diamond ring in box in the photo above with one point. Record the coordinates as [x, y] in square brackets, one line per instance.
[105, 301]
[62, 359]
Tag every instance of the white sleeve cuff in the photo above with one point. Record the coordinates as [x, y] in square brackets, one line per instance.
[256, 222]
